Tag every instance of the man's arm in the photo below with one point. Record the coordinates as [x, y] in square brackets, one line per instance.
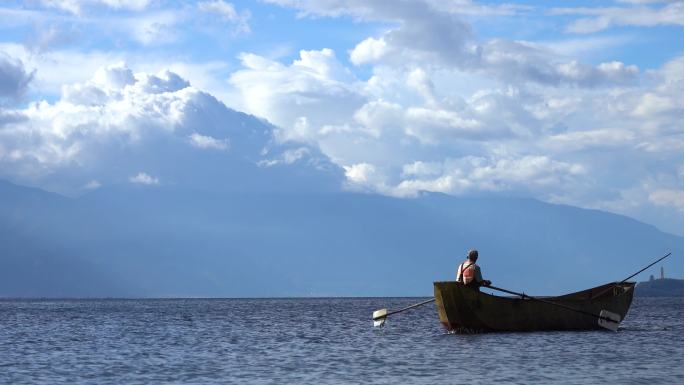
[478, 277]
[478, 274]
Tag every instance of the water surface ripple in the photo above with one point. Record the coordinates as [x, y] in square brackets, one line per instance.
[318, 341]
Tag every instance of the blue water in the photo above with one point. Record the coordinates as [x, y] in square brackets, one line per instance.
[318, 341]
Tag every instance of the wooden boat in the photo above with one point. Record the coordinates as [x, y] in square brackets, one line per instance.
[466, 310]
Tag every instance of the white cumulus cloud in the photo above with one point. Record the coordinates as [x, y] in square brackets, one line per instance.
[313, 86]
[669, 198]
[640, 13]
[207, 142]
[108, 128]
[227, 12]
[143, 178]
[14, 77]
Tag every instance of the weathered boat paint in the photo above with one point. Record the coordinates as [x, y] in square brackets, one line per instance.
[465, 310]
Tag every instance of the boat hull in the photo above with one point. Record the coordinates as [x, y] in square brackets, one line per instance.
[465, 310]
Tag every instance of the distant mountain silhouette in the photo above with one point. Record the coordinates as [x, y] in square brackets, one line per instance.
[166, 240]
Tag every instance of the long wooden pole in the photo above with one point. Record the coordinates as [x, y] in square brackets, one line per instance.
[523, 296]
[404, 309]
[635, 274]
[631, 276]
[411, 307]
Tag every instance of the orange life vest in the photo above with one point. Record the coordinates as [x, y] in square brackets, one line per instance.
[467, 273]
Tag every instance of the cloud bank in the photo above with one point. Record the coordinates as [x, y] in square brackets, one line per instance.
[104, 131]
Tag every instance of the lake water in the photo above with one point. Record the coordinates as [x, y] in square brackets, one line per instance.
[318, 341]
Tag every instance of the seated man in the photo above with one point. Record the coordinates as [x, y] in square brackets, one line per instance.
[469, 273]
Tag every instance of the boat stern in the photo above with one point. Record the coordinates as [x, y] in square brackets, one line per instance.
[454, 305]
[439, 303]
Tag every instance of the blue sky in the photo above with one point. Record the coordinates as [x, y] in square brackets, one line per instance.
[577, 103]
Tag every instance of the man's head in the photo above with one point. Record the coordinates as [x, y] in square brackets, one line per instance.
[472, 255]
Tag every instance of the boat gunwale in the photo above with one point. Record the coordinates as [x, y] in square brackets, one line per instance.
[571, 297]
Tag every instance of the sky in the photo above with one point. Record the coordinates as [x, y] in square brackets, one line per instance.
[575, 102]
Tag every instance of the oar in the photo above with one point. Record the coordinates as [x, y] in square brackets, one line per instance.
[606, 319]
[380, 316]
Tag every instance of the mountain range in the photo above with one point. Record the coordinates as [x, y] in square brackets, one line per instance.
[168, 241]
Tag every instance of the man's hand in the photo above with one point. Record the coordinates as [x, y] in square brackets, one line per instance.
[486, 282]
